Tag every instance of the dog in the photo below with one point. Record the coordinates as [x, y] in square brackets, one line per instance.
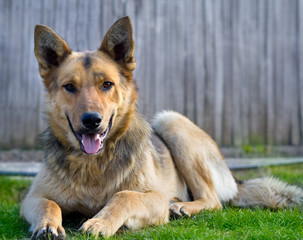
[103, 160]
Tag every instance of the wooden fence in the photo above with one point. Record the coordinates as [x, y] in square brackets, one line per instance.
[235, 67]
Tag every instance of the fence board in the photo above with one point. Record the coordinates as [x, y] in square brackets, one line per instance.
[300, 66]
[234, 67]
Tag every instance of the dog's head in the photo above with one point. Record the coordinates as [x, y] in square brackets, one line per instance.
[87, 92]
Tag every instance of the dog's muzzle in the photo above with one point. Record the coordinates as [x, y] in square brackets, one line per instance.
[91, 142]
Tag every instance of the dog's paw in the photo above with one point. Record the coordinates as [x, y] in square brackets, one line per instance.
[96, 227]
[49, 231]
[178, 210]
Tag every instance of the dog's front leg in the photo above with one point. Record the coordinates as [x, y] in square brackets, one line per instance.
[44, 216]
[131, 209]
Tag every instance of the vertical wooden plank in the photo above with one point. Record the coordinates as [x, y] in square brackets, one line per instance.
[300, 66]
[47, 10]
[174, 57]
[227, 123]
[59, 10]
[258, 136]
[144, 50]
[94, 37]
[180, 54]
[241, 126]
[199, 62]
[290, 77]
[129, 8]
[170, 57]
[147, 57]
[71, 17]
[261, 65]
[107, 18]
[167, 53]
[269, 72]
[285, 80]
[15, 92]
[251, 52]
[161, 53]
[281, 125]
[253, 74]
[27, 115]
[145, 81]
[277, 69]
[5, 24]
[82, 28]
[3, 46]
[191, 55]
[209, 67]
[257, 50]
[262, 80]
[119, 8]
[236, 73]
[218, 90]
[242, 50]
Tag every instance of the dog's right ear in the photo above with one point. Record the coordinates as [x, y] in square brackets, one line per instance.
[50, 49]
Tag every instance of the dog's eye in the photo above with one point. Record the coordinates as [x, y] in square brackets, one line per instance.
[70, 88]
[107, 85]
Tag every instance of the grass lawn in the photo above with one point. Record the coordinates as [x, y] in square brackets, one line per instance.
[230, 223]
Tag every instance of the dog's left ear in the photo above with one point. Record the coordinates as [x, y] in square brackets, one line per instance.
[118, 43]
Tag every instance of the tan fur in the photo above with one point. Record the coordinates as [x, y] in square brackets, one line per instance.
[139, 170]
[197, 158]
[268, 192]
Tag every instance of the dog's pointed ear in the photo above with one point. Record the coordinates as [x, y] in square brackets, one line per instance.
[50, 49]
[118, 43]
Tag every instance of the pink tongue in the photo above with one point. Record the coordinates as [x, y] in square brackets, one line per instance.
[91, 143]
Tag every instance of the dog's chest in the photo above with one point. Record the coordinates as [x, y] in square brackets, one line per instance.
[87, 200]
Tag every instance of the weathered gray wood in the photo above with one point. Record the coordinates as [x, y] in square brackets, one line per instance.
[300, 67]
[199, 63]
[234, 67]
[292, 73]
[219, 74]
[269, 73]
[227, 107]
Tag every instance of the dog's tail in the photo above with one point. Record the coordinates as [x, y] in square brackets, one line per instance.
[267, 192]
[187, 141]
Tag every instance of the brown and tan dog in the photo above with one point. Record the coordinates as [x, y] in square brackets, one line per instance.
[103, 160]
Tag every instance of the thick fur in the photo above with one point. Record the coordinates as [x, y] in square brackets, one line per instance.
[187, 141]
[268, 192]
[139, 174]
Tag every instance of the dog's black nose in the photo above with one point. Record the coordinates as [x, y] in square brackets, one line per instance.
[91, 120]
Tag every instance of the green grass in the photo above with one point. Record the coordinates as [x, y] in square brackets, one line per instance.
[230, 223]
[292, 174]
[11, 191]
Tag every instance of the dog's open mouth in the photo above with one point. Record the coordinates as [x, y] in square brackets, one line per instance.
[91, 143]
